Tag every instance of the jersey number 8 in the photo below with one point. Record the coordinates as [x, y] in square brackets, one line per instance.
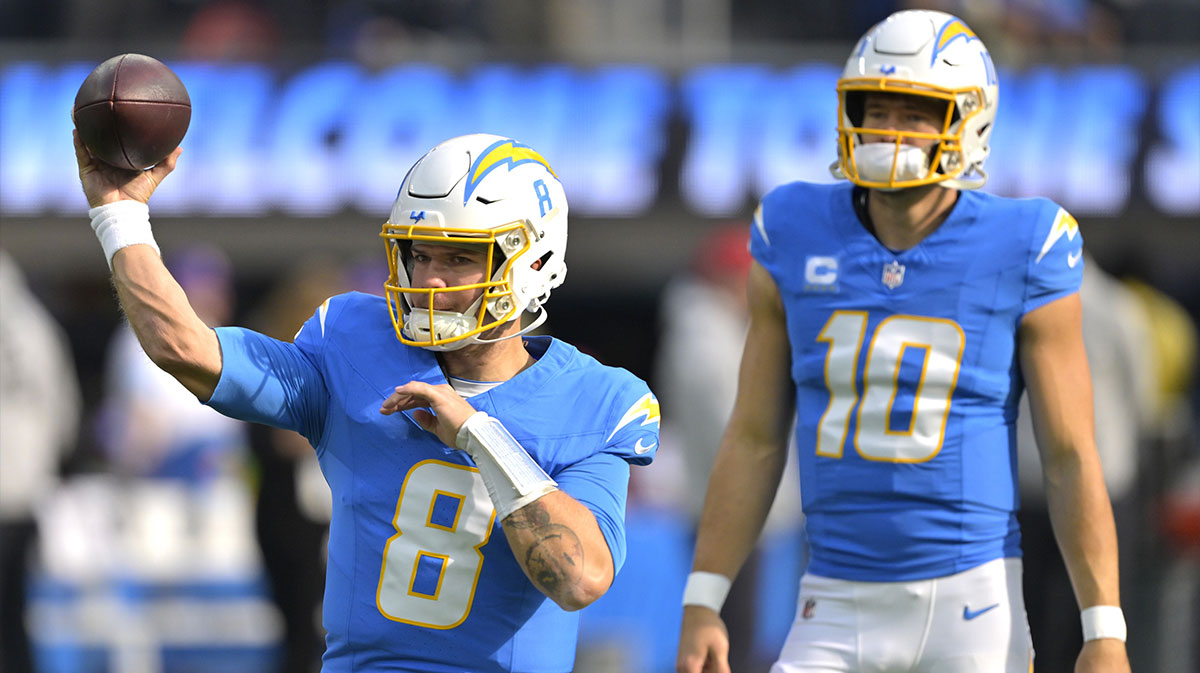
[431, 565]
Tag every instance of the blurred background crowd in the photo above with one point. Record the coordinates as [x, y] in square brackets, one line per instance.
[221, 29]
[140, 532]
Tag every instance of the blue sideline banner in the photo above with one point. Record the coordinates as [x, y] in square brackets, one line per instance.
[335, 136]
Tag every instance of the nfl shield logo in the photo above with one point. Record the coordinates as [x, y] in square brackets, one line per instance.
[893, 274]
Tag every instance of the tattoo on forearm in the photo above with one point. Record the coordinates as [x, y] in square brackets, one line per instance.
[554, 558]
[531, 516]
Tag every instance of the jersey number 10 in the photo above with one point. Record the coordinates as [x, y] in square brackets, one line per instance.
[937, 340]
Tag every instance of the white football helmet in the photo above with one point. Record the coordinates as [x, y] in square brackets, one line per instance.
[920, 53]
[471, 190]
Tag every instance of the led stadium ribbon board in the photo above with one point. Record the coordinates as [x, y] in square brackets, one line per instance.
[335, 136]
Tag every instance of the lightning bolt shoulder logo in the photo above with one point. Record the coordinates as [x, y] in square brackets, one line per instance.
[645, 409]
[1064, 224]
[322, 312]
[758, 224]
[501, 153]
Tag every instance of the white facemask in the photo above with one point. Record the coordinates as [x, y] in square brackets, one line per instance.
[874, 162]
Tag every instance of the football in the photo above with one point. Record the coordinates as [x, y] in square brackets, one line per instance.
[132, 111]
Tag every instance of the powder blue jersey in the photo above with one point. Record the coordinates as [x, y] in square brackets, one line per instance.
[420, 576]
[907, 375]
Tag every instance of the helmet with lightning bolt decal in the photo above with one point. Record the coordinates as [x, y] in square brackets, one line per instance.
[487, 192]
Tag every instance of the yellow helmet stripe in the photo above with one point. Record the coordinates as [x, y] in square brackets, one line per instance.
[949, 32]
[502, 152]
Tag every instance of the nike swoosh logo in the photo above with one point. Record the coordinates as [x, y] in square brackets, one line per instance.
[1072, 260]
[640, 448]
[968, 615]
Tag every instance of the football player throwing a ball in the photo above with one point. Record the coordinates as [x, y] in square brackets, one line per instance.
[479, 474]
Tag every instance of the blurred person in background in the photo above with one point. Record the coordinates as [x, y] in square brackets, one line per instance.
[1018, 30]
[1170, 484]
[293, 502]
[380, 33]
[231, 31]
[180, 476]
[459, 539]
[150, 426]
[39, 418]
[704, 320]
[910, 311]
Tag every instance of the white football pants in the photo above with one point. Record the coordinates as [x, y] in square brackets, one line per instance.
[971, 622]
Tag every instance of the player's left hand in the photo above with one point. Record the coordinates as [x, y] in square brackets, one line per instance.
[1103, 655]
[450, 410]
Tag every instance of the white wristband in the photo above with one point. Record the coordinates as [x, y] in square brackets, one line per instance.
[1103, 621]
[706, 589]
[120, 224]
[510, 474]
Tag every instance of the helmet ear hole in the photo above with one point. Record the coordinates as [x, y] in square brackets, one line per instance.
[498, 258]
[855, 107]
[403, 252]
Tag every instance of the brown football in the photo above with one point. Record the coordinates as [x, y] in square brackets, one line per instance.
[132, 111]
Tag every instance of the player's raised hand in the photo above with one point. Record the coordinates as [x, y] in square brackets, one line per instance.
[1103, 655]
[103, 183]
[450, 410]
[703, 642]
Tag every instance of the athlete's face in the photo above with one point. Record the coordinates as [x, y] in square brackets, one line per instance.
[900, 112]
[437, 266]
